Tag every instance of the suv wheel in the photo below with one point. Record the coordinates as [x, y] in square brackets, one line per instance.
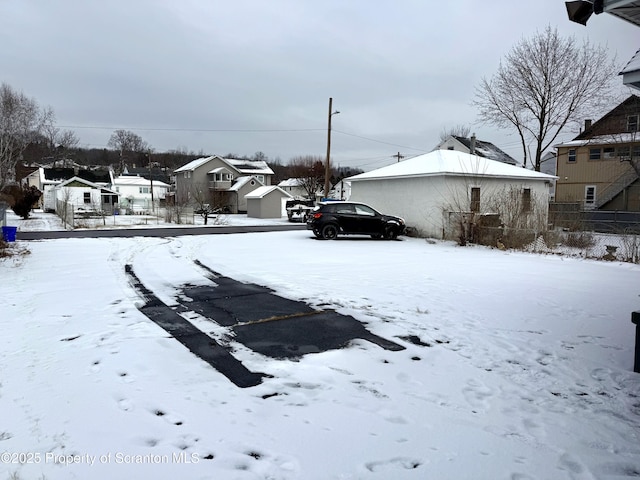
[329, 231]
[390, 233]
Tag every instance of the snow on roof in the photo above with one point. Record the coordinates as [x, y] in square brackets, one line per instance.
[135, 180]
[259, 167]
[193, 164]
[450, 162]
[87, 183]
[291, 182]
[241, 181]
[263, 191]
[487, 150]
[601, 139]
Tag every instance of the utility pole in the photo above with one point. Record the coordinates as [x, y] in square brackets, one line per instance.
[327, 168]
[151, 180]
[398, 156]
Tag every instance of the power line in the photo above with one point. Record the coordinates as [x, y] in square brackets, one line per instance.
[379, 141]
[240, 130]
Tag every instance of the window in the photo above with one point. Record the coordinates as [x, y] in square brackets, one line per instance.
[636, 151]
[526, 200]
[187, 174]
[572, 155]
[475, 199]
[144, 189]
[87, 197]
[623, 152]
[609, 152]
[260, 177]
[223, 177]
[364, 210]
[589, 195]
[632, 123]
[594, 154]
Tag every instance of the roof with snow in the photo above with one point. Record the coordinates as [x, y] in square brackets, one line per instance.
[452, 163]
[262, 192]
[242, 181]
[248, 167]
[256, 167]
[89, 184]
[193, 164]
[487, 150]
[291, 182]
[135, 180]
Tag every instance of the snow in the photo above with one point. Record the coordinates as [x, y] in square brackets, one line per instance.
[451, 162]
[528, 372]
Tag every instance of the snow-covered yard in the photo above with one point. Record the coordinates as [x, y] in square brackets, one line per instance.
[520, 365]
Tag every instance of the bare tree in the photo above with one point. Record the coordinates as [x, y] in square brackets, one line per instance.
[309, 170]
[457, 131]
[21, 119]
[127, 142]
[545, 83]
[57, 140]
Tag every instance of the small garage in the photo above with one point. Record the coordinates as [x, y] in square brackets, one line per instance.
[266, 202]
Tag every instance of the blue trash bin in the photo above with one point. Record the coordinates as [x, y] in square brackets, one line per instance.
[9, 234]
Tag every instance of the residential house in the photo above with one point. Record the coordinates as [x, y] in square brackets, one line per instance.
[477, 147]
[267, 202]
[431, 191]
[46, 178]
[599, 168]
[294, 187]
[138, 194]
[81, 194]
[214, 180]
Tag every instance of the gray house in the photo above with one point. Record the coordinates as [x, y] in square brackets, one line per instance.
[221, 182]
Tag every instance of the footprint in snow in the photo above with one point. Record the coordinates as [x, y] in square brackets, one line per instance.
[394, 464]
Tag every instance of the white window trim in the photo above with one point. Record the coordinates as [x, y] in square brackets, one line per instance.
[591, 203]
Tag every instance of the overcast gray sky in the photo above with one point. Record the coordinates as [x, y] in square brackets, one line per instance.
[249, 75]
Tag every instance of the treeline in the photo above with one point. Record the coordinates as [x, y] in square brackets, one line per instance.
[37, 153]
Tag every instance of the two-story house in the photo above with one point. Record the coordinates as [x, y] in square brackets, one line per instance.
[220, 182]
[599, 168]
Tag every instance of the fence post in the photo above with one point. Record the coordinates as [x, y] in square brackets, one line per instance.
[635, 318]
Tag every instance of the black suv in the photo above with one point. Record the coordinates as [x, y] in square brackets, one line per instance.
[329, 219]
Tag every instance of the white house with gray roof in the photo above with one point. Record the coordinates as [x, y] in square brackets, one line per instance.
[428, 190]
[215, 180]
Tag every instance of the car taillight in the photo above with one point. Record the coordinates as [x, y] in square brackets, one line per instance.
[317, 215]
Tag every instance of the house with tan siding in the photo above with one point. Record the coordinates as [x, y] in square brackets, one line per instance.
[600, 168]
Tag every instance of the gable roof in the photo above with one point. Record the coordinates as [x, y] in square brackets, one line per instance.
[451, 163]
[630, 105]
[87, 183]
[246, 167]
[242, 181]
[262, 192]
[193, 164]
[487, 150]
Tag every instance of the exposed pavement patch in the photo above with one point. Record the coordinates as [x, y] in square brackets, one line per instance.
[259, 319]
